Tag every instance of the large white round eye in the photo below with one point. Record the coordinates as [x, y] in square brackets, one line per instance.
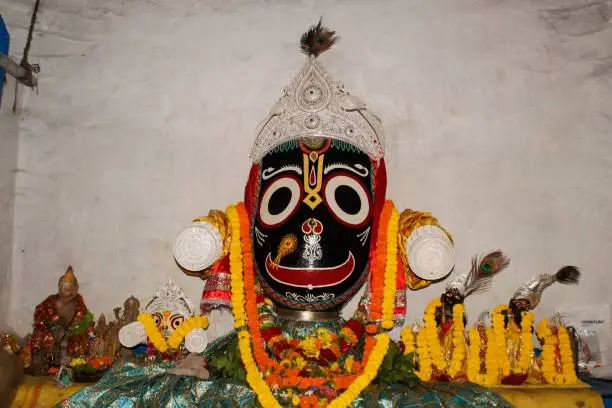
[348, 200]
[279, 201]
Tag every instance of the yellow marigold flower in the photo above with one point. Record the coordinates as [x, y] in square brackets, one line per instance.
[78, 362]
[348, 364]
[325, 336]
[300, 362]
[309, 345]
[295, 400]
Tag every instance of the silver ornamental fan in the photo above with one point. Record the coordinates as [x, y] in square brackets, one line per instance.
[479, 278]
[528, 296]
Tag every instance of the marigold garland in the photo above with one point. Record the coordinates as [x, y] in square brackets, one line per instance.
[557, 357]
[522, 365]
[458, 352]
[407, 337]
[390, 269]
[241, 268]
[378, 280]
[428, 344]
[502, 334]
[425, 361]
[176, 338]
[481, 369]
[499, 333]
[432, 341]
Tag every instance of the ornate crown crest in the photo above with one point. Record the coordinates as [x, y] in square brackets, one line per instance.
[170, 297]
[313, 105]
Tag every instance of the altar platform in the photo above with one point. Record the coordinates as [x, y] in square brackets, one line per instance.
[41, 392]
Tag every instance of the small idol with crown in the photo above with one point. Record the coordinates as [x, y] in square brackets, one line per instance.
[441, 346]
[62, 325]
[513, 324]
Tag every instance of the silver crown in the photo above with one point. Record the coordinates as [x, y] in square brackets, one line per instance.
[170, 297]
[314, 106]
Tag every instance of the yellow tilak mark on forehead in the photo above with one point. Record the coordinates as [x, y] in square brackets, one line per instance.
[313, 199]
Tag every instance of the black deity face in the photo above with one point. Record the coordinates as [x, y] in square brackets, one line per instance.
[313, 223]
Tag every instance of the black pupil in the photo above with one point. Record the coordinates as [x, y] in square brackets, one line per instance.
[279, 201]
[347, 199]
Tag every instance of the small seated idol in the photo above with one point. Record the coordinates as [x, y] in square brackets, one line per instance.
[62, 325]
[513, 325]
[482, 363]
[315, 228]
[165, 322]
[441, 347]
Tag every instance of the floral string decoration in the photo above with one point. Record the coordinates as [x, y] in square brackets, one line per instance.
[425, 362]
[516, 362]
[430, 340]
[458, 352]
[260, 366]
[378, 280]
[557, 357]
[429, 347]
[176, 338]
[499, 336]
[390, 267]
[482, 367]
[407, 337]
[526, 344]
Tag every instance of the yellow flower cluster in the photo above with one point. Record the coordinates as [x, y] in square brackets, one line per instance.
[75, 362]
[502, 334]
[490, 376]
[431, 339]
[176, 338]
[309, 345]
[425, 362]
[407, 339]
[458, 349]
[526, 349]
[499, 336]
[155, 337]
[195, 322]
[556, 370]
[235, 258]
[390, 271]
[429, 349]
[349, 364]
[369, 373]
[254, 375]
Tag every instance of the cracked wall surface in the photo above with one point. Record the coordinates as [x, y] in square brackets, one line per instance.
[498, 115]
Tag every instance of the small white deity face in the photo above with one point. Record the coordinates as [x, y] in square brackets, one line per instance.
[168, 321]
[169, 308]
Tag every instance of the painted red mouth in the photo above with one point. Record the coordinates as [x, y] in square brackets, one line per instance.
[311, 278]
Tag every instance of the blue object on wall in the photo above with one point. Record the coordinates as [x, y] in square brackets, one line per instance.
[4, 49]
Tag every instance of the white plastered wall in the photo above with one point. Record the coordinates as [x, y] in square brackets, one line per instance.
[8, 166]
[498, 116]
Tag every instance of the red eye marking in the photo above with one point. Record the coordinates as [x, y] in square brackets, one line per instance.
[312, 226]
[158, 319]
